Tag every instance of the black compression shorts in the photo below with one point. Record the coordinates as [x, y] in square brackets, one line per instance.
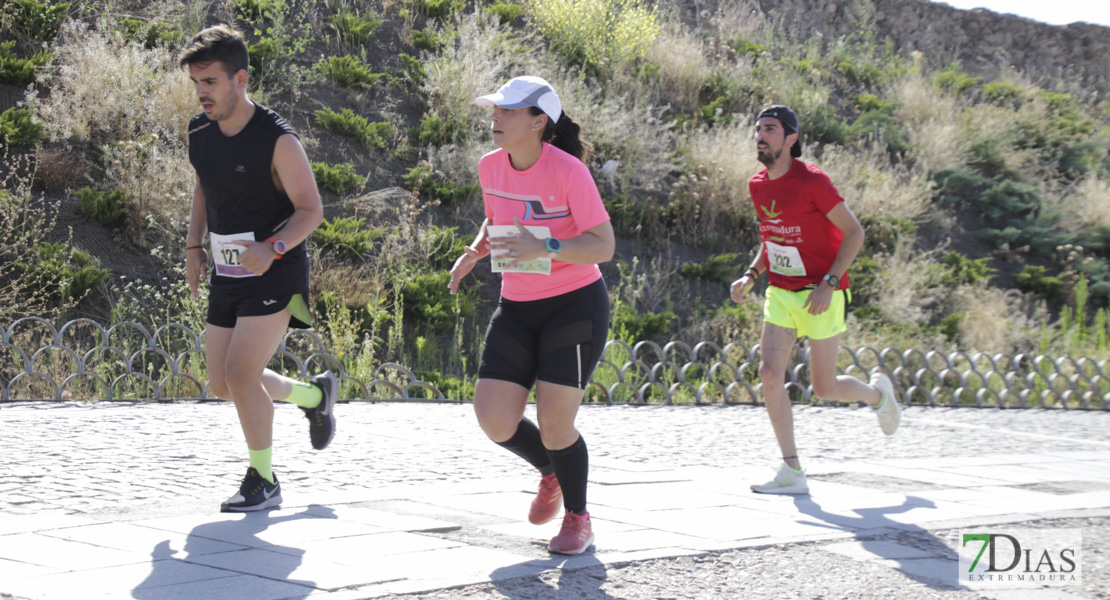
[558, 340]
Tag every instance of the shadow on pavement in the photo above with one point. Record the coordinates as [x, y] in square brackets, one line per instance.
[578, 582]
[920, 555]
[166, 562]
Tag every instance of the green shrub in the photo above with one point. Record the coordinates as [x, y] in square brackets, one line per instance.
[39, 20]
[428, 39]
[1082, 158]
[955, 80]
[954, 186]
[107, 208]
[253, 10]
[985, 155]
[346, 236]
[340, 179]
[151, 35]
[962, 269]
[18, 128]
[263, 54]
[354, 29]
[1032, 279]
[823, 124]
[420, 179]
[414, 69]
[437, 131]
[882, 125]
[600, 35]
[950, 327]
[441, 246]
[1009, 198]
[745, 47]
[507, 12]
[62, 277]
[862, 73]
[1003, 93]
[348, 71]
[20, 71]
[437, 8]
[429, 305]
[347, 123]
[721, 268]
[631, 325]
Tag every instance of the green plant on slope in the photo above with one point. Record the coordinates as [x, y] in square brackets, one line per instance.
[601, 35]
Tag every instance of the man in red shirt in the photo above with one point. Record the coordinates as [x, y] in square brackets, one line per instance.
[810, 237]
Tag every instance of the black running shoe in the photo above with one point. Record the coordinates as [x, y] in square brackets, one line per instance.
[255, 493]
[321, 418]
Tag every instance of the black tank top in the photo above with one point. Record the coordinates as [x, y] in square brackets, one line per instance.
[240, 196]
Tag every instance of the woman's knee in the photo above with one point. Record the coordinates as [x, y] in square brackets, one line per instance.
[770, 373]
[217, 388]
[496, 419]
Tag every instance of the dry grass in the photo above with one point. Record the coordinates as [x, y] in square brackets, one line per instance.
[993, 320]
[931, 121]
[156, 176]
[907, 285]
[1088, 204]
[726, 157]
[873, 187]
[683, 65]
[103, 89]
[480, 61]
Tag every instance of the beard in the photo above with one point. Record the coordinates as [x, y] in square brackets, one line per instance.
[767, 157]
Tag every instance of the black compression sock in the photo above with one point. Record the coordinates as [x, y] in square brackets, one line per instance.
[572, 467]
[527, 444]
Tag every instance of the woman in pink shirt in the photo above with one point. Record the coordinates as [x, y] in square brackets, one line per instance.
[547, 229]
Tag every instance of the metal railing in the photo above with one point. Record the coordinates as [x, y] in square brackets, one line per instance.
[82, 359]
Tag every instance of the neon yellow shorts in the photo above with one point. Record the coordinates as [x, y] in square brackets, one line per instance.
[784, 308]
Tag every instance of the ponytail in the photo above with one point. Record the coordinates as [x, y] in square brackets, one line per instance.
[564, 136]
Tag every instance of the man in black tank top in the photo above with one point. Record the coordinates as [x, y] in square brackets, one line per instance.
[256, 197]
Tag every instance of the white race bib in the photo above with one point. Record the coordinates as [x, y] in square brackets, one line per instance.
[785, 260]
[226, 254]
[501, 260]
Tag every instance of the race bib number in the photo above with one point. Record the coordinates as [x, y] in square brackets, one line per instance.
[500, 260]
[785, 260]
[225, 254]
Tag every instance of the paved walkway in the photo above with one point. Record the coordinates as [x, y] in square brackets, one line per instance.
[121, 501]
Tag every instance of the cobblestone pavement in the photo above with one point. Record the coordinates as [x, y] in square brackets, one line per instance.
[142, 465]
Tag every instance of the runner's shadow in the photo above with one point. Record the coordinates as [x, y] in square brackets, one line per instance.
[230, 545]
[915, 552]
[579, 577]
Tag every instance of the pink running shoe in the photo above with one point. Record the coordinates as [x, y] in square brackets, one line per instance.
[575, 536]
[547, 502]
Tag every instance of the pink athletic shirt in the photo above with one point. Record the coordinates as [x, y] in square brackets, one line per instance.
[794, 227]
[557, 192]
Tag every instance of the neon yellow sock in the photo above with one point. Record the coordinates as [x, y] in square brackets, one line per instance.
[260, 460]
[305, 395]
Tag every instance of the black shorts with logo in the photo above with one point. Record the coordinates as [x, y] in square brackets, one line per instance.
[558, 340]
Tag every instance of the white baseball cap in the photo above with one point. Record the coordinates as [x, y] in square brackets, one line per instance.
[524, 91]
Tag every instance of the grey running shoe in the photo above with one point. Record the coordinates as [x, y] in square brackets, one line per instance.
[321, 418]
[255, 493]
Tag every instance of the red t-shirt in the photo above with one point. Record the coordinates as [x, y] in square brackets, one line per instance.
[557, 192]
[799, 240]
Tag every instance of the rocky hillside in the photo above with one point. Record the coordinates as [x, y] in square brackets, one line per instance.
[973, 146]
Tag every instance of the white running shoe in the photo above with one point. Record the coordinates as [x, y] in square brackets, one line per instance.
[888, 411]
[787, 481]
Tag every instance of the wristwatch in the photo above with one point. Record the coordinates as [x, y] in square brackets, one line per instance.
[279, 246]
[832, 280]
[553, 244]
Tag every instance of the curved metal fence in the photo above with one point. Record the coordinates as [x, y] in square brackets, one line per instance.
[82, 359]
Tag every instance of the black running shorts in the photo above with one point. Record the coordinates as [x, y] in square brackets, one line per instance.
[225, 311]
[558, 340]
